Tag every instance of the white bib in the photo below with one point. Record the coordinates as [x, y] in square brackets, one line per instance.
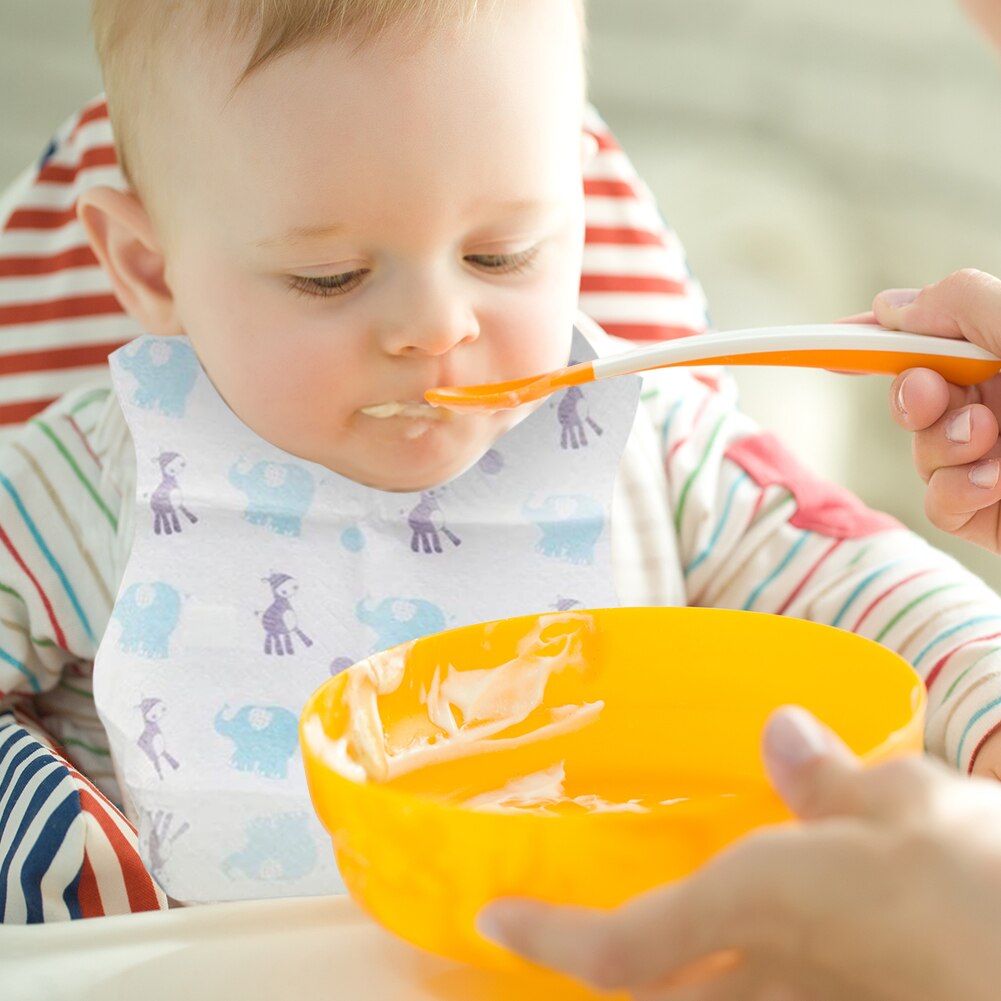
[254, 575]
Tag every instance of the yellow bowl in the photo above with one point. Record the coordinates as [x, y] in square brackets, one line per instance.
[661, 719]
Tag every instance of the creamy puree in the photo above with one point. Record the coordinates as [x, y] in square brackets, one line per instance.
[467, 711]
[542, 791]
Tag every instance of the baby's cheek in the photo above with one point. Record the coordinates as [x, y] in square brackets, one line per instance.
[988, 761]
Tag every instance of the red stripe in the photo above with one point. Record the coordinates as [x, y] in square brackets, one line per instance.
[619, 235]
[72, 307]
[983, 740]
[600, 186]
[886, 594]
[60, 637]
[41, 218]
[138, 882]
[647, 331]
[54, 359]
[757, 506]
[75, 257]
[94, 114]
[799, 587]
[18, 413]
[605, 140]
[96, 156]
[630, 283]
[88, 894]
[940, 665]
[695, 423]
[83, 440]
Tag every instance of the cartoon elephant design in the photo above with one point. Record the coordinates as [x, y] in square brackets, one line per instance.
[166, 372]
[264, 738]
[278, 494]
[277, 848]
[571, 525]
[148, 614]
[399, 620]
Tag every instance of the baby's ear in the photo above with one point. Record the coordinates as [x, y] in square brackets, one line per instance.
[122, 237]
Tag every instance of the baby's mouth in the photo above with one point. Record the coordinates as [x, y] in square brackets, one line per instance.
[420, 411]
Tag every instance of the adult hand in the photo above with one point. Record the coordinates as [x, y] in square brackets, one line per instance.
[891, 892]
[956, 447]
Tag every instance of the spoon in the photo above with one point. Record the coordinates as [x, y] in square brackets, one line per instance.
[842, 347]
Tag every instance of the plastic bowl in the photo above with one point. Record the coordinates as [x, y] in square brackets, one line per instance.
[660, 725]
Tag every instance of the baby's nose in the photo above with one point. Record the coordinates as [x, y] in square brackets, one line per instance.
[434, 325]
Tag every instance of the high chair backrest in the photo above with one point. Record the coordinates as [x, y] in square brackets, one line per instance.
[59, 317]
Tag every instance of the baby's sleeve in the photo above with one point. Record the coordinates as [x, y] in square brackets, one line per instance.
[757, 531]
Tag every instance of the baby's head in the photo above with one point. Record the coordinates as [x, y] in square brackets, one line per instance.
[343, 203]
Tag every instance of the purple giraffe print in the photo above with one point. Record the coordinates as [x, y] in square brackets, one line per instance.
[279, 619]
[166, 500]
[572, 433]
[151, 741]
[425, 533]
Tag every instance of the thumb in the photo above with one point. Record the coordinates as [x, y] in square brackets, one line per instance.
[810, 767]
[967, 304]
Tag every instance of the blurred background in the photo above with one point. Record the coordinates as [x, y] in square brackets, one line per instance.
[809, 154]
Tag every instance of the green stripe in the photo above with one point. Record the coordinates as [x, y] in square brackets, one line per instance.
[73, 742]
[908, 607]
[862, 554]
[5, 589]
[76, 691]
[650, 394]
[679, 513]
[106, 511]
[16, 627]
[952, 687]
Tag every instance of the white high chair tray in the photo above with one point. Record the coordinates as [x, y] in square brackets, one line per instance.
[304, 949]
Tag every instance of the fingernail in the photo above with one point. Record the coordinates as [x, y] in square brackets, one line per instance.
[959, 427]
[489, 927]
[985, 474]
[899, 400]
[794, 736]
[897, 297]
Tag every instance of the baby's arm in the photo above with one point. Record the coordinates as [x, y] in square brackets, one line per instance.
[757, 531]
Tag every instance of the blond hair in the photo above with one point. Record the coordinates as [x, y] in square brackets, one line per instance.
[126, 32]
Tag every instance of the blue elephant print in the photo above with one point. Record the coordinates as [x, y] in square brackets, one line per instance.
[148, 614]
[278, 494]
[277, 848]
[399, 620]
[264, 738]
[166, 370]
[570, 525]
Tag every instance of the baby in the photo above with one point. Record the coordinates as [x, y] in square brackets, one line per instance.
[336, 205]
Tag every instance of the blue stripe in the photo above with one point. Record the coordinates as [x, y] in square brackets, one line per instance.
[858, 590]
[953, 631]
[755, 594]
[42, 854]
[50, 559]
[21, 669]
[719, 527]
[46, 787]
[969, 726]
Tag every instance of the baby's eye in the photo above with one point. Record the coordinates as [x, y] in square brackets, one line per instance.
[327, 285]
[504, 264]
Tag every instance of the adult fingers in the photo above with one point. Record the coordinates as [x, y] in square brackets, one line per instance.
[818, 776]
[957, 495]
[965, 304]
[919, 397]
[682, 932]
[959, 437]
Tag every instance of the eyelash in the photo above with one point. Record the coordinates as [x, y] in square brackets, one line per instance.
[331, 285]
